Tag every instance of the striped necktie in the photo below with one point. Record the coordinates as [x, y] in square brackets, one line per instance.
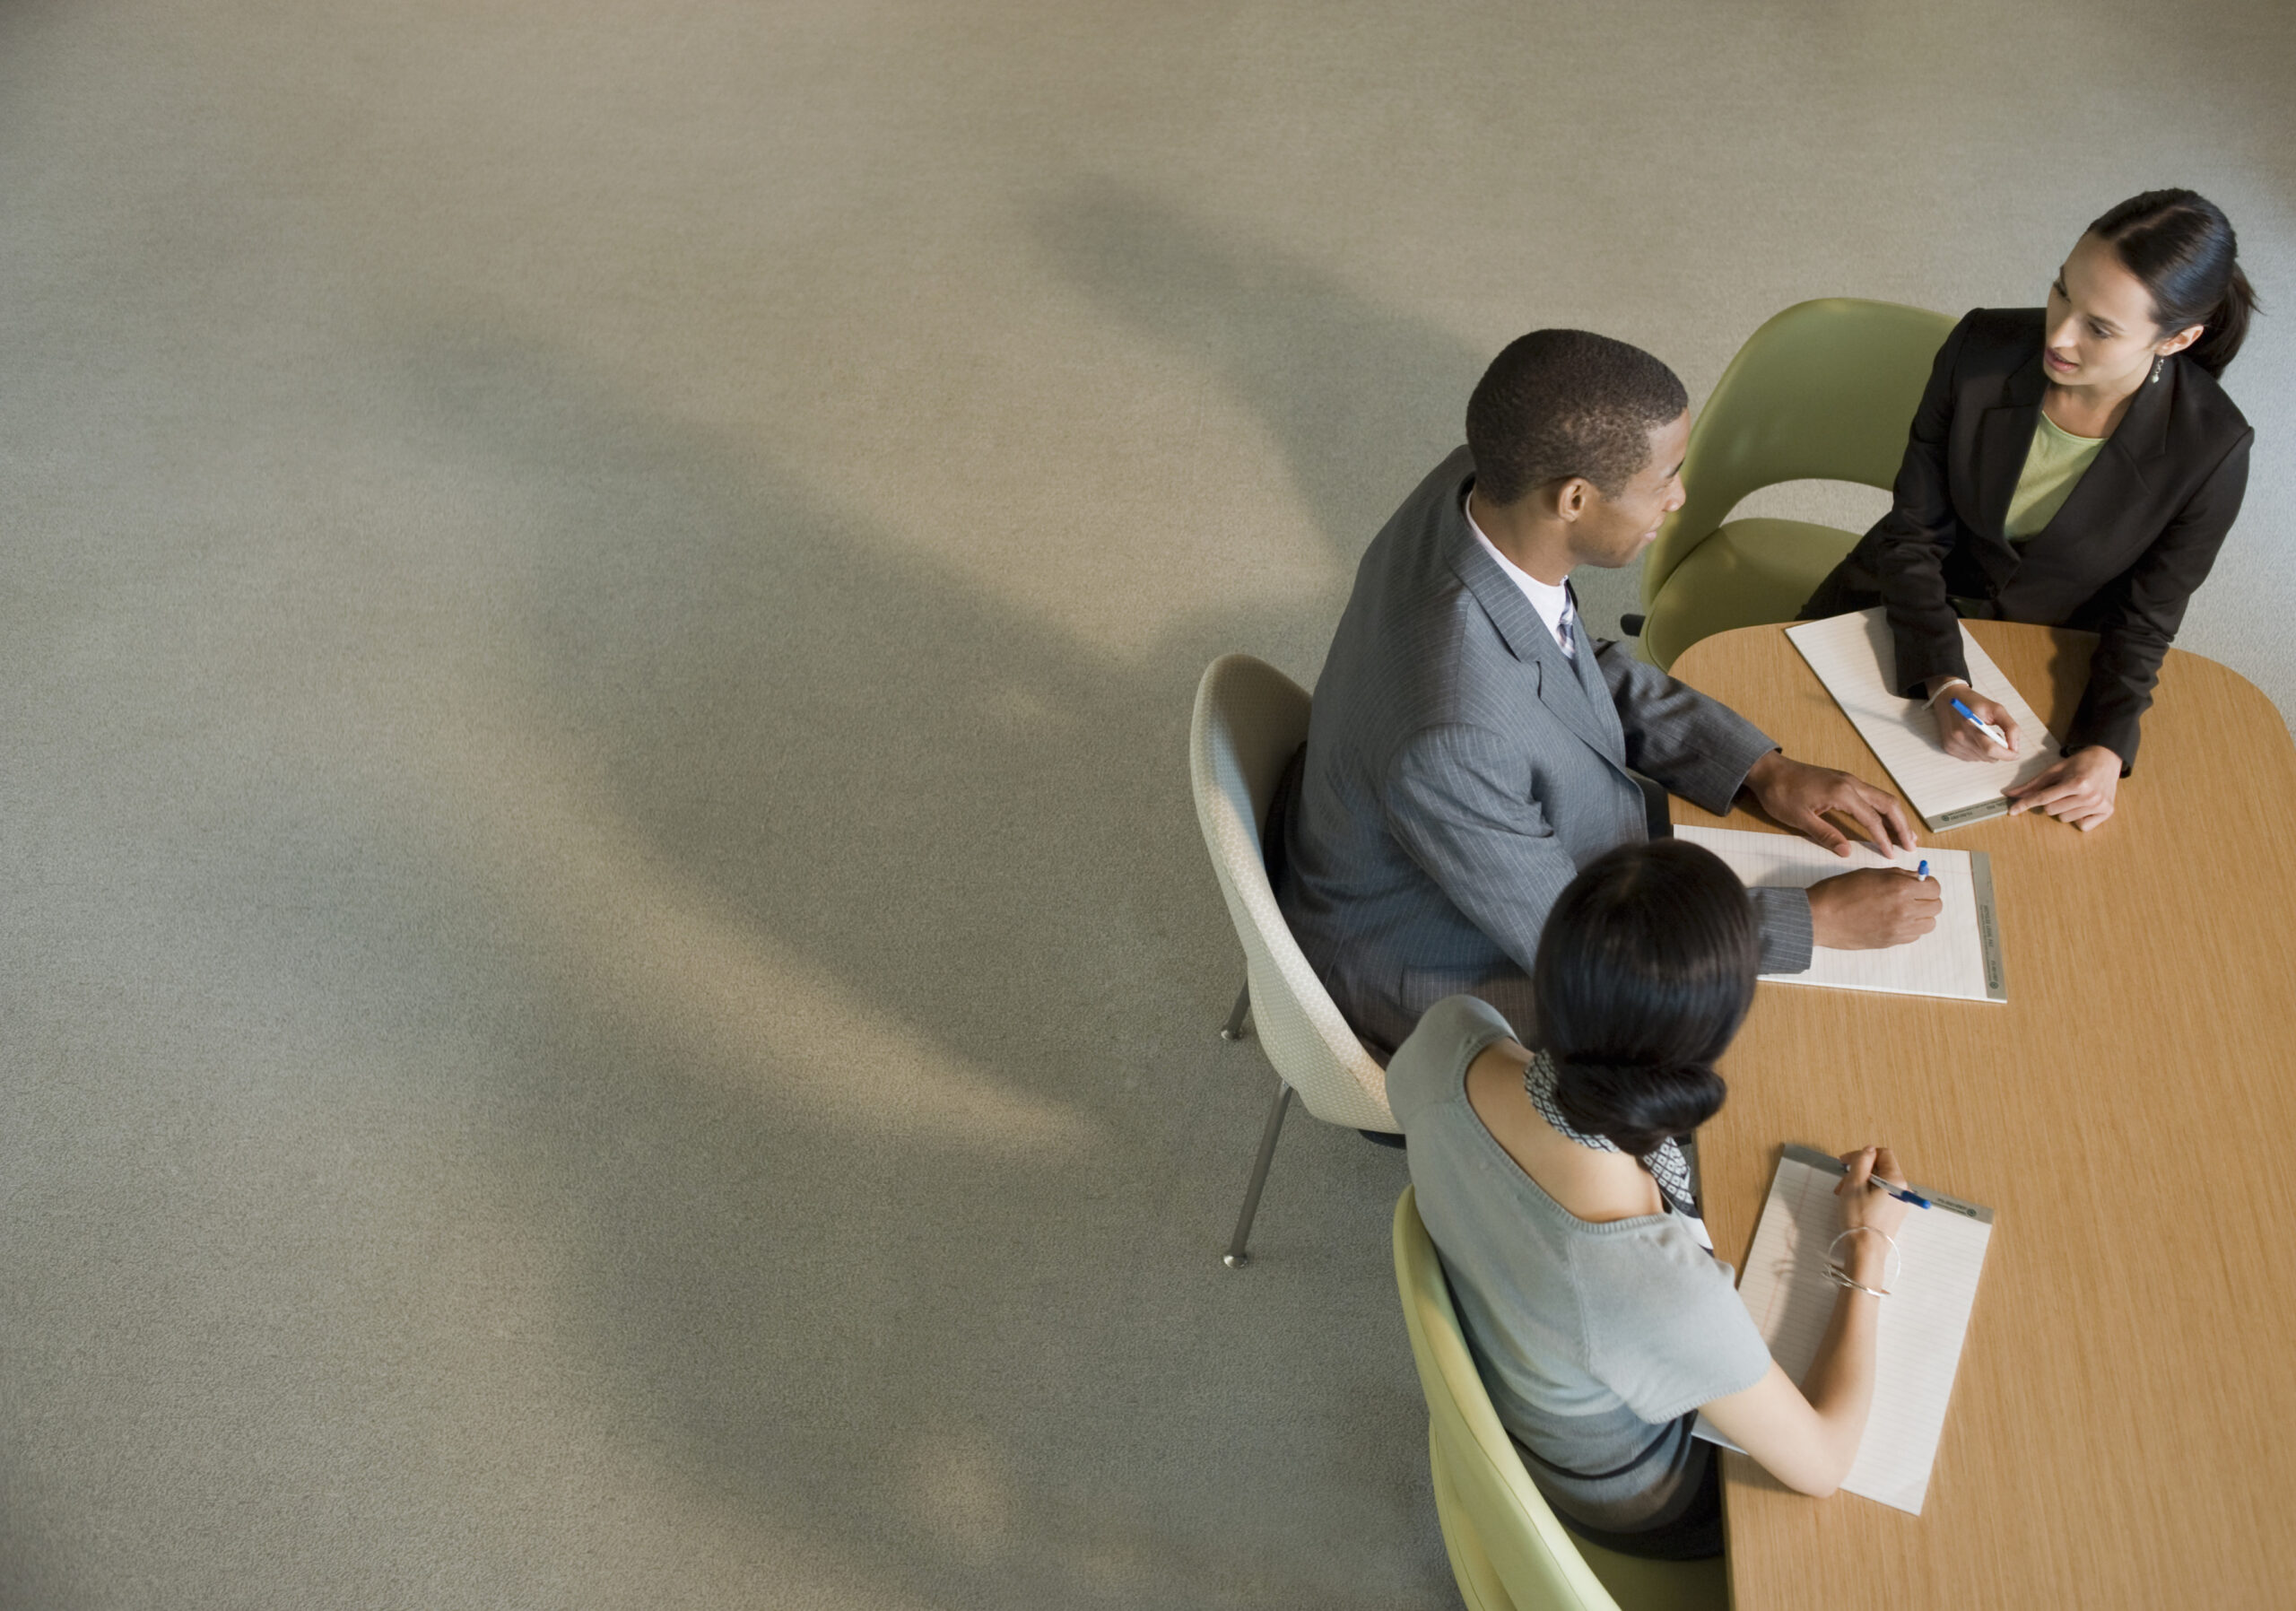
[1562, 625]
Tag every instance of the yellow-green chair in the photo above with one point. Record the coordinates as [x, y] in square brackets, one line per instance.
[1506, 1549]
[1825, 391]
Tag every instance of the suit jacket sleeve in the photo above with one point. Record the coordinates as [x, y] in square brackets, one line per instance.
[1698, 747]
[2133, 638]
[1458, 800]
[1702, 749]
[1918, 532]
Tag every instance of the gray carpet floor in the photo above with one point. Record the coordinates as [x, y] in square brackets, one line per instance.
[607, 985]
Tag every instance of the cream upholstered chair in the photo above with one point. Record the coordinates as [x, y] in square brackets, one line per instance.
[1508, 1550]
[1249, 720]
[1825, 391]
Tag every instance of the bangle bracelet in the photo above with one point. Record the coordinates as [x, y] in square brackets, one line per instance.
[1840, 1277]
[1951, 683]
[1893, 1266]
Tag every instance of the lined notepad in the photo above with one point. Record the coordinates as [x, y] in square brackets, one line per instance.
[1960, 958]
[1923, 1321]
[1856, 659]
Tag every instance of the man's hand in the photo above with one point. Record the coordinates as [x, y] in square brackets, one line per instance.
[1798, 796]
[1869, 909]
[1961, 738]
[2078, 789]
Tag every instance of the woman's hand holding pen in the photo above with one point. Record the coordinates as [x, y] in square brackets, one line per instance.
[1864, 1208]
[1964, 738]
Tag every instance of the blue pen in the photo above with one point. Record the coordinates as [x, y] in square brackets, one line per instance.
[1922, 871]
[1986, 727]
[1898, 1192]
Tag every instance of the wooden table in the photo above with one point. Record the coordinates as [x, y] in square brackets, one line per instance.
[2123, 1429]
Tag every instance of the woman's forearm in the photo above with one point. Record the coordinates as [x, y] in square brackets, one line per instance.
[2123, 672]
[1839, 1385]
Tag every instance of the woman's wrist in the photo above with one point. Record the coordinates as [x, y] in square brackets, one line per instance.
[1868, 1261]
[1863, 1252]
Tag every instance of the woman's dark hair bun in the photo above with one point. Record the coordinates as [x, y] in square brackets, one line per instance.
[2182, 246]
[1645, 969]
[1637, 1106]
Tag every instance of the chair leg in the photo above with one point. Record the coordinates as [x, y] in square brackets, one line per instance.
[1235, 1030]
[1234, 1258]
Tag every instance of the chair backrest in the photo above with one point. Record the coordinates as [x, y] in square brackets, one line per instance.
[1496, 1524]
[1825, 391]
[1250, 718]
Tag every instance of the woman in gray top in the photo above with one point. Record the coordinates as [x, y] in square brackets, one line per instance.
[1599, 1316]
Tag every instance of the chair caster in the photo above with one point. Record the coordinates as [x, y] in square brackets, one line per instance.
[1233, 1030]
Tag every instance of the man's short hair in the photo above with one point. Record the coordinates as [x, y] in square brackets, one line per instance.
[1563, 403]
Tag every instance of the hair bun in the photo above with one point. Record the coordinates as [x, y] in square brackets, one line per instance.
[1636, 1106]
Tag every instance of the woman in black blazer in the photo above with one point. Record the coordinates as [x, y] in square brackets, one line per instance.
[2076, 465]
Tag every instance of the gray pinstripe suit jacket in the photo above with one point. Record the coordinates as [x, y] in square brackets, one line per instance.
[1460, 771]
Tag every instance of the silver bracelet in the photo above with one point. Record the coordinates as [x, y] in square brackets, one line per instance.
[1890, 1271]
[1840, 1277]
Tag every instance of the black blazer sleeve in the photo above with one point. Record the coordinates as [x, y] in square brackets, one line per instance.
[2147, 604]
[1918, 532]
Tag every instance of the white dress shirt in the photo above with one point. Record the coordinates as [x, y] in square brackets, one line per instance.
[1551, 601]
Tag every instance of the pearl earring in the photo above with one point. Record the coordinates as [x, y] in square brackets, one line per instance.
[2157, 362]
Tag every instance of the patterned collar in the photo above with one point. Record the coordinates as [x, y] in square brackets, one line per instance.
[1665, 1162]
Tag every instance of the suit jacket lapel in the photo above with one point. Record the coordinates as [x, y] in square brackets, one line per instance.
[2004, 435]
[1560, 686]
[2143, 434]
[1599, 699]
[2116, 476]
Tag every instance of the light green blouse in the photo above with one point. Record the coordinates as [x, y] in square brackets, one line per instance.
[2054, 465]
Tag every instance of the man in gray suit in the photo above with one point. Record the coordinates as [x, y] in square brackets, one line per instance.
[1470, 746]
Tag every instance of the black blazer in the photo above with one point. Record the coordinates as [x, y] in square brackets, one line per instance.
[2120, 559]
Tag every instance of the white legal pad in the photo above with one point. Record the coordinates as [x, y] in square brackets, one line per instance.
[1856, 659]
[1922, 1323]
[1960, 958]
